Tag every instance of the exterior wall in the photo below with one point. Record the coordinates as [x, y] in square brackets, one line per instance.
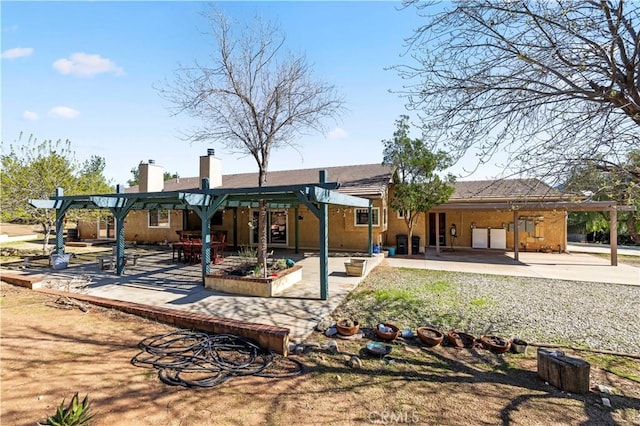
[136, 227]
[549, 230]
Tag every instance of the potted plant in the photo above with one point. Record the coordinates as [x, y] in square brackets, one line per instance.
[347, 326]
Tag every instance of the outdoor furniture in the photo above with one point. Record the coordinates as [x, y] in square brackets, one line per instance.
[108, 261]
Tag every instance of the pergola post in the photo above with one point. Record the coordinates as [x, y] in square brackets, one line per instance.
[324, 243]
[60, 214]
[613, 235]
[297, 230]
[370, 228]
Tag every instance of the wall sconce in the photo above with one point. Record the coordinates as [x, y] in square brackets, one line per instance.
[504, 225]
[473, 225]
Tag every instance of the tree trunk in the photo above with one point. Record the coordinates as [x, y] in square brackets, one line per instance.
[632, 228]
[46, 228]
[262, 221]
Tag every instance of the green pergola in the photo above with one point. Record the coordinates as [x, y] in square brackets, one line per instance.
[205, 203]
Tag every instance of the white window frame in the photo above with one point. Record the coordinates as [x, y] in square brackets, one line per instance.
[401, 214]
[160, 224]
[376, 215]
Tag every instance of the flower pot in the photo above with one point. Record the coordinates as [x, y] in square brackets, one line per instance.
[495, 344]
[346, 330]
[387, 334]
[430, 336]
[461, 340]
[518, 346]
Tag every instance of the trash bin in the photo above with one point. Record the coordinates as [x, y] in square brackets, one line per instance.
[392, 251]
[401, 244]
[72, 234]
[415, 244]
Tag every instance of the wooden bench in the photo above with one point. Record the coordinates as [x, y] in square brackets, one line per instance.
[109, 261]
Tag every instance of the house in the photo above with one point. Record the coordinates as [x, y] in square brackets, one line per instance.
[480, 214]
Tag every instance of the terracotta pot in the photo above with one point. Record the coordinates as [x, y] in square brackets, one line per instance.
[388, 335]
[461, 340]
[430, 336]
[495, 344]
[345, 330]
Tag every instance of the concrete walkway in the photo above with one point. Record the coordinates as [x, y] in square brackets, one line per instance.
[157, 280]
[565, 266]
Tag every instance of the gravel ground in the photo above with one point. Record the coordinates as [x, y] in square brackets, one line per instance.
[592, 315]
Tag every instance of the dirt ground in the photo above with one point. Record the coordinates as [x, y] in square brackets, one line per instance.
[49, 353]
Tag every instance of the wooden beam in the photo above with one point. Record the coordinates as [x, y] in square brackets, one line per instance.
[516, 237]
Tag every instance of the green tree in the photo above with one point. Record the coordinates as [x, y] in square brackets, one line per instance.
[550, 84]
[33, 170]
[253, 96]
[604, 184]
[417, 186]
[135, 180]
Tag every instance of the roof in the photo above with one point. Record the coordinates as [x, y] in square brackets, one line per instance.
[506, 190]
[365, 180]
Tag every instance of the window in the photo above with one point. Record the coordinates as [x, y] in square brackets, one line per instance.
[159, 218]
[362, 217]
[403, 213]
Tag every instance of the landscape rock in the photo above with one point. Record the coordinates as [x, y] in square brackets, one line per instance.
[331, 331]
[332, 346]
[355, 362]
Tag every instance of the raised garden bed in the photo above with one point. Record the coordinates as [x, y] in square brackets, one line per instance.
[255, 286]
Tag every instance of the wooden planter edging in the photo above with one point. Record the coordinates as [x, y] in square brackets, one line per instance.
[254, 286]
[266, 336]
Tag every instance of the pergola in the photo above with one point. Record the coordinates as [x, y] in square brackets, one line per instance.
[516, 208]
[205, 203]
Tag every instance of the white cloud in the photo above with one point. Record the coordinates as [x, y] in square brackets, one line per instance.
[18, 52]
[63, 112]
[30, 116]
[85, 65]
[337, 133]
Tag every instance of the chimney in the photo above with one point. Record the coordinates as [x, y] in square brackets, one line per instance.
[151, 177]
[211, 167]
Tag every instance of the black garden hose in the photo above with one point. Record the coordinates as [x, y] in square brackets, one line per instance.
[197, 359]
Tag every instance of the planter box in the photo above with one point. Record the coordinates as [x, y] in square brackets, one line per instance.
[355, 267]
[253, 286]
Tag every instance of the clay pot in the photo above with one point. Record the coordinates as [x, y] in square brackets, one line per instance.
[347, 330]
[395, 331]
[461, 340]
[430, 336]
[495, 344]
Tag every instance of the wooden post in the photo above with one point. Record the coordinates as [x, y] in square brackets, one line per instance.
[566, 373]
[516, 237]
[437, 234]
[613, 235]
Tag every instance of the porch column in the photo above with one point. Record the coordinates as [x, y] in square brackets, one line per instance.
[613, 235]
[370, 228]
[516, 236]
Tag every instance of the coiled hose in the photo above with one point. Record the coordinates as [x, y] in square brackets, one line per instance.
[197, 359]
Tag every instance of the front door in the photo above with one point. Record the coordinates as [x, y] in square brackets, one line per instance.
[432, 228]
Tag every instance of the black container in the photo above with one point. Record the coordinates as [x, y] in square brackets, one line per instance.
[415, 244]
[401, 244]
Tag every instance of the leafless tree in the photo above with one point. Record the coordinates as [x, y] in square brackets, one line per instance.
[253, 96]
[551, 83]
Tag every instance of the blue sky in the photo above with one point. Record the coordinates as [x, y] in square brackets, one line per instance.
[85, 71]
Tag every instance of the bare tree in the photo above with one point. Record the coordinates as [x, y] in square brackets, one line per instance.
[253, 96]
[550, 83]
